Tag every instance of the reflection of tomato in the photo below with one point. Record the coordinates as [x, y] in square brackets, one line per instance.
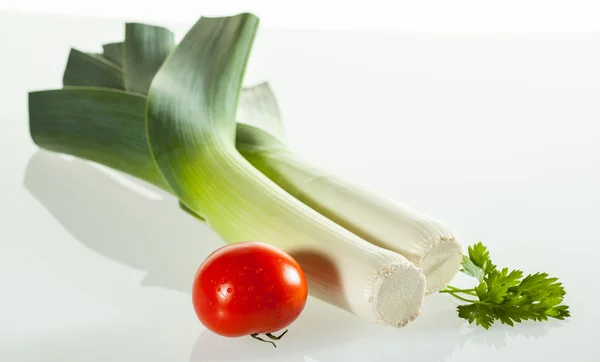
[248, 287]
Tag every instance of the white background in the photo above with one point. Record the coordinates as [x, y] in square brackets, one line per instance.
[426, 15]
[495, 133]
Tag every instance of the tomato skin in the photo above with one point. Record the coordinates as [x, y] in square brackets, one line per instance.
[248, 287]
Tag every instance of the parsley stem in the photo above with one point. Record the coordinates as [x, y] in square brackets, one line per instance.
[465, 291]
[451, 292]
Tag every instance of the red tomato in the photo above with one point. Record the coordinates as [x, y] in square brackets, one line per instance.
[248, 287]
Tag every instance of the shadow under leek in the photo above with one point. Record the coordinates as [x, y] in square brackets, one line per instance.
[112, 220]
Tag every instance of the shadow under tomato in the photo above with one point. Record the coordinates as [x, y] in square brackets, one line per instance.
[319, 327]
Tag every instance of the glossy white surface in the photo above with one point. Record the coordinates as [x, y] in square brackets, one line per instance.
[495, 134]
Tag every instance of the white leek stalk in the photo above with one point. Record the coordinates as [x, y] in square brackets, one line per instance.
[430, 244]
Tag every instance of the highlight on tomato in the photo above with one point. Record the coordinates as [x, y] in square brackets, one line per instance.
[249, 288]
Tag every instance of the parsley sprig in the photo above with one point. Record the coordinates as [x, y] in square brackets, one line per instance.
[506, 296]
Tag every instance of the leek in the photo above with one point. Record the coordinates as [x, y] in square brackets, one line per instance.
[430, 244]
[191, 130]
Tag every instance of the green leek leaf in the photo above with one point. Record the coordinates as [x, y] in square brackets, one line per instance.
[114, 52]
[91, 70]
[103, 125]
[146, 48]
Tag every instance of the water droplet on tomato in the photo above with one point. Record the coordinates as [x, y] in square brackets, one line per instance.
[223, 280]
[246, 267]
[241, 273]
[229, 290]
[218, 289]
[258, 271]
[270, 288]
[244, 298]
[210, 302]
[251, 288]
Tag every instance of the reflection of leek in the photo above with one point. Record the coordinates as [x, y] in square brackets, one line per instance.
[191, 113]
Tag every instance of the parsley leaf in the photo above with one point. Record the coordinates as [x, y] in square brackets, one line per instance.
[506, 296]
[469, 268]
[481, 314]
[498, 283]
[479, 255]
